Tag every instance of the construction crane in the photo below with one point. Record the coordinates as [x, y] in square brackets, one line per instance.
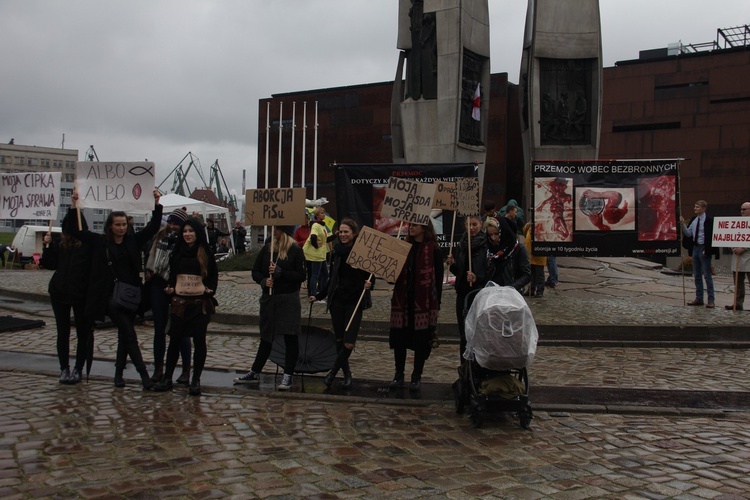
[90, 154]
[217, 177]
[179, 175]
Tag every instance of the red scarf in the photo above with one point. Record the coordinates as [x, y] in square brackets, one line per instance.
[415, 302]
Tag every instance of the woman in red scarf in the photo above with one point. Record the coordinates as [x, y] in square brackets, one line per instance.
[416, 303]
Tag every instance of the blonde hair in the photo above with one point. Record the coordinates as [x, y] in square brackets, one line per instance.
[284, 243]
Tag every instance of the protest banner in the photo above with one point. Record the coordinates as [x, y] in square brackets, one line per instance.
[467, 196]
[30, 195]
[408, 201]
[617, 208]
[733, 232]
[189, 285]
[379, 254]
[275, 207]
[445, 196]
[115, 185]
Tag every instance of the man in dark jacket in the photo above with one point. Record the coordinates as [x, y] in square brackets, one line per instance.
[238, 235]
[699, 233]
[213, 234]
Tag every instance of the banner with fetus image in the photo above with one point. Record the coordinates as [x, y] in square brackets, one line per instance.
[619, 208]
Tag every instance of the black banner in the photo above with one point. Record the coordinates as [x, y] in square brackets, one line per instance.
[360, 190]
[623, 208]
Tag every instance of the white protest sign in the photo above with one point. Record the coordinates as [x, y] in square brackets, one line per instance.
[409, 201]
[379, 254]
[467, 194]
[115, 185]
[189, 284]
[29, 195]
[731, 232]
[445, 196]
[275, 207]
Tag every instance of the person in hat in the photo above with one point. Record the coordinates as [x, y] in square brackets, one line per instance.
[280, 270]
[157, 277]
[193, 278]
[70, 258]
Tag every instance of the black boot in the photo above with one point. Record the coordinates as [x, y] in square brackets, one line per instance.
[158, 372]
[330, 377]
[398, 381]
[195, 387]
[145, 378]
[164, 385]
[184, 377]
[347, 379]
[119, 381]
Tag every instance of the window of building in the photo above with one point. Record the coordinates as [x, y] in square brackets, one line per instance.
[45, 163]
[69, 177]
[98, 226]
[70, 164]
[20, 160]
[2, 159]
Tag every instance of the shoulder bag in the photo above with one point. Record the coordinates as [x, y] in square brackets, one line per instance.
[125, 296]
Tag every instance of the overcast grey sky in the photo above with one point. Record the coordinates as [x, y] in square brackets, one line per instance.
[159, 78]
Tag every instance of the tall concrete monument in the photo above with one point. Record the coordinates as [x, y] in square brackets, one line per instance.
[440, 105]
[561, 81]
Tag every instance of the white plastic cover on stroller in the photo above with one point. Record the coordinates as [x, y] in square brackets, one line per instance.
[500, 329]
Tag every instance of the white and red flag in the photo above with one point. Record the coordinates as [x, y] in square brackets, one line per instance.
[476, 104]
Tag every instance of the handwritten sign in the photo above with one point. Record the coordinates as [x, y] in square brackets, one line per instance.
[445, 196]
[29, 195]
[115, 185]
[189, 284]
[731, 232]
[467, 195]
[379, 254]
[275, 207]
[409, 201]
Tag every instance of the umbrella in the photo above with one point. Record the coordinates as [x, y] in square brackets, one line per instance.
[317, 350]
[89, 351]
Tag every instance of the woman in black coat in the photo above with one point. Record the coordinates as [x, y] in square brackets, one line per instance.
[71, 261]
[342, 293]
[280, 274]
[193, 278]
[117, 257]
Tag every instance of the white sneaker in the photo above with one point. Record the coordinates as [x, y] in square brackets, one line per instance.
[286, 383]
[248, 378]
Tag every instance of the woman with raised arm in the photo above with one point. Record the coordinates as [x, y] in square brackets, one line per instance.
[117, 257]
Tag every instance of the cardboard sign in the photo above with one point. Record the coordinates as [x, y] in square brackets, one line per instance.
[275, 207]
[29, 195]
[189, 284]
[445, 196]
[408, 201]
[731, 232]
[379, 254]
[115, 185]
[467, 195]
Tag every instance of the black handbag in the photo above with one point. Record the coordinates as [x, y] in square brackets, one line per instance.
[124, 295]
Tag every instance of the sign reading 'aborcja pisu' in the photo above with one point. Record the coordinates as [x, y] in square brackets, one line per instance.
[275, 207]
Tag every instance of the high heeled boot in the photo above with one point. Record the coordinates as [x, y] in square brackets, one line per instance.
[158, 372]
[184, 377]
[145, 378]
[119, 380]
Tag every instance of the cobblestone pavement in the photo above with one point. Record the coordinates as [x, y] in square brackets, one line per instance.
[592, 291]
[92, 441]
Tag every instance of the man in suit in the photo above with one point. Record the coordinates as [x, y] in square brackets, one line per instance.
[699, 232]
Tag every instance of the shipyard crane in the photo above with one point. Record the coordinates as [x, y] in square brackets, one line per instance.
[179, 175]
[217, 177]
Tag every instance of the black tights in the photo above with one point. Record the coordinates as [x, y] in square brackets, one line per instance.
[291, 342]
[199, 355]
[420, 357]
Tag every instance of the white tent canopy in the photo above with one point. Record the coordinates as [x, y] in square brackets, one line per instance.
[172, 201]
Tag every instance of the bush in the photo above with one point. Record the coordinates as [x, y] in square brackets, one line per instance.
[242, 262]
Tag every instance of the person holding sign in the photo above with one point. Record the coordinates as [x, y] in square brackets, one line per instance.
[193, 277]
[415, 304]
[157, 278]
[343, 292]
[71, 261]
[117, 257]
[741, 266]
[280, 270]
[470, 268]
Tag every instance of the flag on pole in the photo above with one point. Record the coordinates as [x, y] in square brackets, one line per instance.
[476, 103]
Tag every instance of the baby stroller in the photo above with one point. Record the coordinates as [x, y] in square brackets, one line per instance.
[501, 341]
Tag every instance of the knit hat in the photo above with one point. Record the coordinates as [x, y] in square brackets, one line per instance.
[178, 216]
[289, 230]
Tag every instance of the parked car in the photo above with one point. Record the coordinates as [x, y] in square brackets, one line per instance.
[29, 241]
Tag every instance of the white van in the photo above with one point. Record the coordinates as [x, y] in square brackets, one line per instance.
[29, 240]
